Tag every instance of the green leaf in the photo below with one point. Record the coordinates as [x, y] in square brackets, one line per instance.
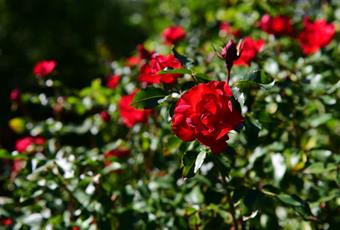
[258, 76]
[320, 167]
[175, 71]
[183, 59]
[287, 199]
[255, 80]
[6, 155]
[148, 97]
[202, 78]
[299, 205]
[199, 160]
[188, 161]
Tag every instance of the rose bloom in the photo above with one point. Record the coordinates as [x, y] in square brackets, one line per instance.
[105, 116]
[315, 35]
[149, 71]
[173, 34]
[118, 153]
[227, 29]
[250, 49]
[23, 144]
[112, 81]
[279, 25]
[131, 115]
[44, 68]
[205, 113]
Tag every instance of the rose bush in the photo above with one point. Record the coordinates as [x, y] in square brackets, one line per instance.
[232, 125]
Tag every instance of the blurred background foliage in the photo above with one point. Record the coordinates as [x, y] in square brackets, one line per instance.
[283, 165]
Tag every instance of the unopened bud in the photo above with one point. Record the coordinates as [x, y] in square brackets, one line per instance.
[231, 52]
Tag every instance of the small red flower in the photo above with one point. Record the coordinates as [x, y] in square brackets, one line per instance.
[6, 222]
[23, 144]
[119, 153]
[112, 81]
[279, 25]
[105, 116]
[227, 29]
[44, 68]
[173, 34]
[205, 113]
[143, 54]
[15, 95]
[131, 115]
[75, 228]
[249, 51]
[315, 35]
[133, 60]
[149, 71]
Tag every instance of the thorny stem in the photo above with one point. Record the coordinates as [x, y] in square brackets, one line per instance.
[228, 75]
[230, 200]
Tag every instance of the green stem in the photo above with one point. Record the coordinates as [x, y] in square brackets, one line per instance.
[229, 197]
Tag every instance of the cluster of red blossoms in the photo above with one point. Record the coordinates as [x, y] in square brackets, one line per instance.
[205, 112]
[314, 35]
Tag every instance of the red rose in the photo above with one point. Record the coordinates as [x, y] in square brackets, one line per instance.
[205, 113]
[44, 68]
[6, 222]
[119, 153]
[15, 95]
[279, 25]
[131, 115]
[75, 228]
[173, 34]
[226, 29]
[112, 81]
[149, 71]
[23, 144]
[315, 35]
[249, 51]
[105, 116]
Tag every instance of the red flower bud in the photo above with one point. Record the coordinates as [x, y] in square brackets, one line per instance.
[15, 95]
[230, 54]
[105, 116]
